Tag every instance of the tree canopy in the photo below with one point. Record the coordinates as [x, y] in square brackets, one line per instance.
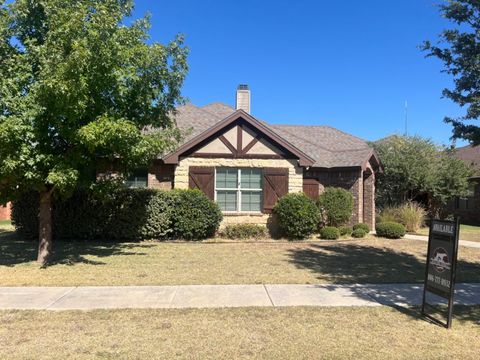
[459, 50]
[417, 169]
[79, 83]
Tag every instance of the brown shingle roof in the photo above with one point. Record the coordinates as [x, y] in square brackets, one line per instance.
[329, 147]
[470, 155]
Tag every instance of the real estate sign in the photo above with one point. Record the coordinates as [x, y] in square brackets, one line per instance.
[441, 263]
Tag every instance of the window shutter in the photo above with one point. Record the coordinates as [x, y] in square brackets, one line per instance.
[275, 182]
[202, 178]
[311, 188]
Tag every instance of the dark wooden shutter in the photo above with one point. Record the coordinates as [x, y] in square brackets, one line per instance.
[203, 178]
[310, 188]
[275, 185]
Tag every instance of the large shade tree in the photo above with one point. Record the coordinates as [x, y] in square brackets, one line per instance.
[78, 82]
[415, 169]
[459, 50]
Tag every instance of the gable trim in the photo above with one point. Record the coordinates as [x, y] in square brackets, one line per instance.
[303, 159]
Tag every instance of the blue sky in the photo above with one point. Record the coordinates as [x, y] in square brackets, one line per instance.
[347, 64]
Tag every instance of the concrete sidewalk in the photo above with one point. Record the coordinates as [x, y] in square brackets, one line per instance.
[218, 296]
[471, 244]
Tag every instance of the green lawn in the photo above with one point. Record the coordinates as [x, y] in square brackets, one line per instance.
[467, 232]
[242, 333]
[369, 260]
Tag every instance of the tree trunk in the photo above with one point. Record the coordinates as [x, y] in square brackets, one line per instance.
[45, 227]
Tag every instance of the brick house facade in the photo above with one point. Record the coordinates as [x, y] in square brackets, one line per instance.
[5, 212]
[245, 164]
[469, 209]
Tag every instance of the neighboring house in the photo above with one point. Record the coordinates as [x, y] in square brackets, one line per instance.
[5, 212]
[246, 165]
[469, 208]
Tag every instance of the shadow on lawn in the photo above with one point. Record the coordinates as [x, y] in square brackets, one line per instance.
[349, 263]
[363, 264]
[14, 251]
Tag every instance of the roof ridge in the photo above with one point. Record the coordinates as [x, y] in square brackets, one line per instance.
[218, 102]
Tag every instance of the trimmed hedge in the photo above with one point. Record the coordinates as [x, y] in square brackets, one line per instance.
[362, 226]
[359, 233]
[125, 214]
[345, 230]
[244, 231]
[330, 233]
[390, 230]
[336, 206]
[297, 215]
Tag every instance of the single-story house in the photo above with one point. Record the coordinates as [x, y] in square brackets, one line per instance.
[246, 164]
[469, 209]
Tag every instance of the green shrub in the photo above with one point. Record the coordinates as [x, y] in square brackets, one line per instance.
[410, 214]
[297, 215]
[330, 233]
[359, 233]
[362, 226]
[195, 216]
[244, 231]
[25, 215]
[125, 214]
[336, 206]
[345, 230]
[390, 230]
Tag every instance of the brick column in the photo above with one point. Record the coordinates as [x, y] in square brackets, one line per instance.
[369, 199]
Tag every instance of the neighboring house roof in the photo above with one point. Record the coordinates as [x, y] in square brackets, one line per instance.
[325, 146]
[470, 155]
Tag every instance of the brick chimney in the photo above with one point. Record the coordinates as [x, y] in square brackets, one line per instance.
[243, 98]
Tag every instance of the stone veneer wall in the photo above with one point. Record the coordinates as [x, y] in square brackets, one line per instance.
[295, 180]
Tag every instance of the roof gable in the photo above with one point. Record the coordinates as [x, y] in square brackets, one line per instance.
[265, 140]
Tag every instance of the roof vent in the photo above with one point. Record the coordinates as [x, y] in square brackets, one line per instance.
[243, 98]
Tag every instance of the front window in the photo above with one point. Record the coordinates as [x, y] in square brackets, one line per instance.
[239, 190]
[137, 179]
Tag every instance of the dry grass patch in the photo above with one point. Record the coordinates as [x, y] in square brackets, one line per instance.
[260, 333]
[368, 260]
[467, 232]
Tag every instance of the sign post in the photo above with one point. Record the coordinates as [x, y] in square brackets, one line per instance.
[441, 265]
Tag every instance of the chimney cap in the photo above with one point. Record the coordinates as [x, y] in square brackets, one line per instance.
[242, 87]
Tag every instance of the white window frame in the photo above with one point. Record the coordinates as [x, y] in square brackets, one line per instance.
[238, 190]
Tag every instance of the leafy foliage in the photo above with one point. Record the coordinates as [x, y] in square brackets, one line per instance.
[345, 230]
[195, 216]
[244, 231]
[362, 226]
[390, 230]
[77, 85]
[126, 214]
[415, 167]
[359, 233]
[336, 206]
[461, 58]
[297, 215]
[330, 233]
